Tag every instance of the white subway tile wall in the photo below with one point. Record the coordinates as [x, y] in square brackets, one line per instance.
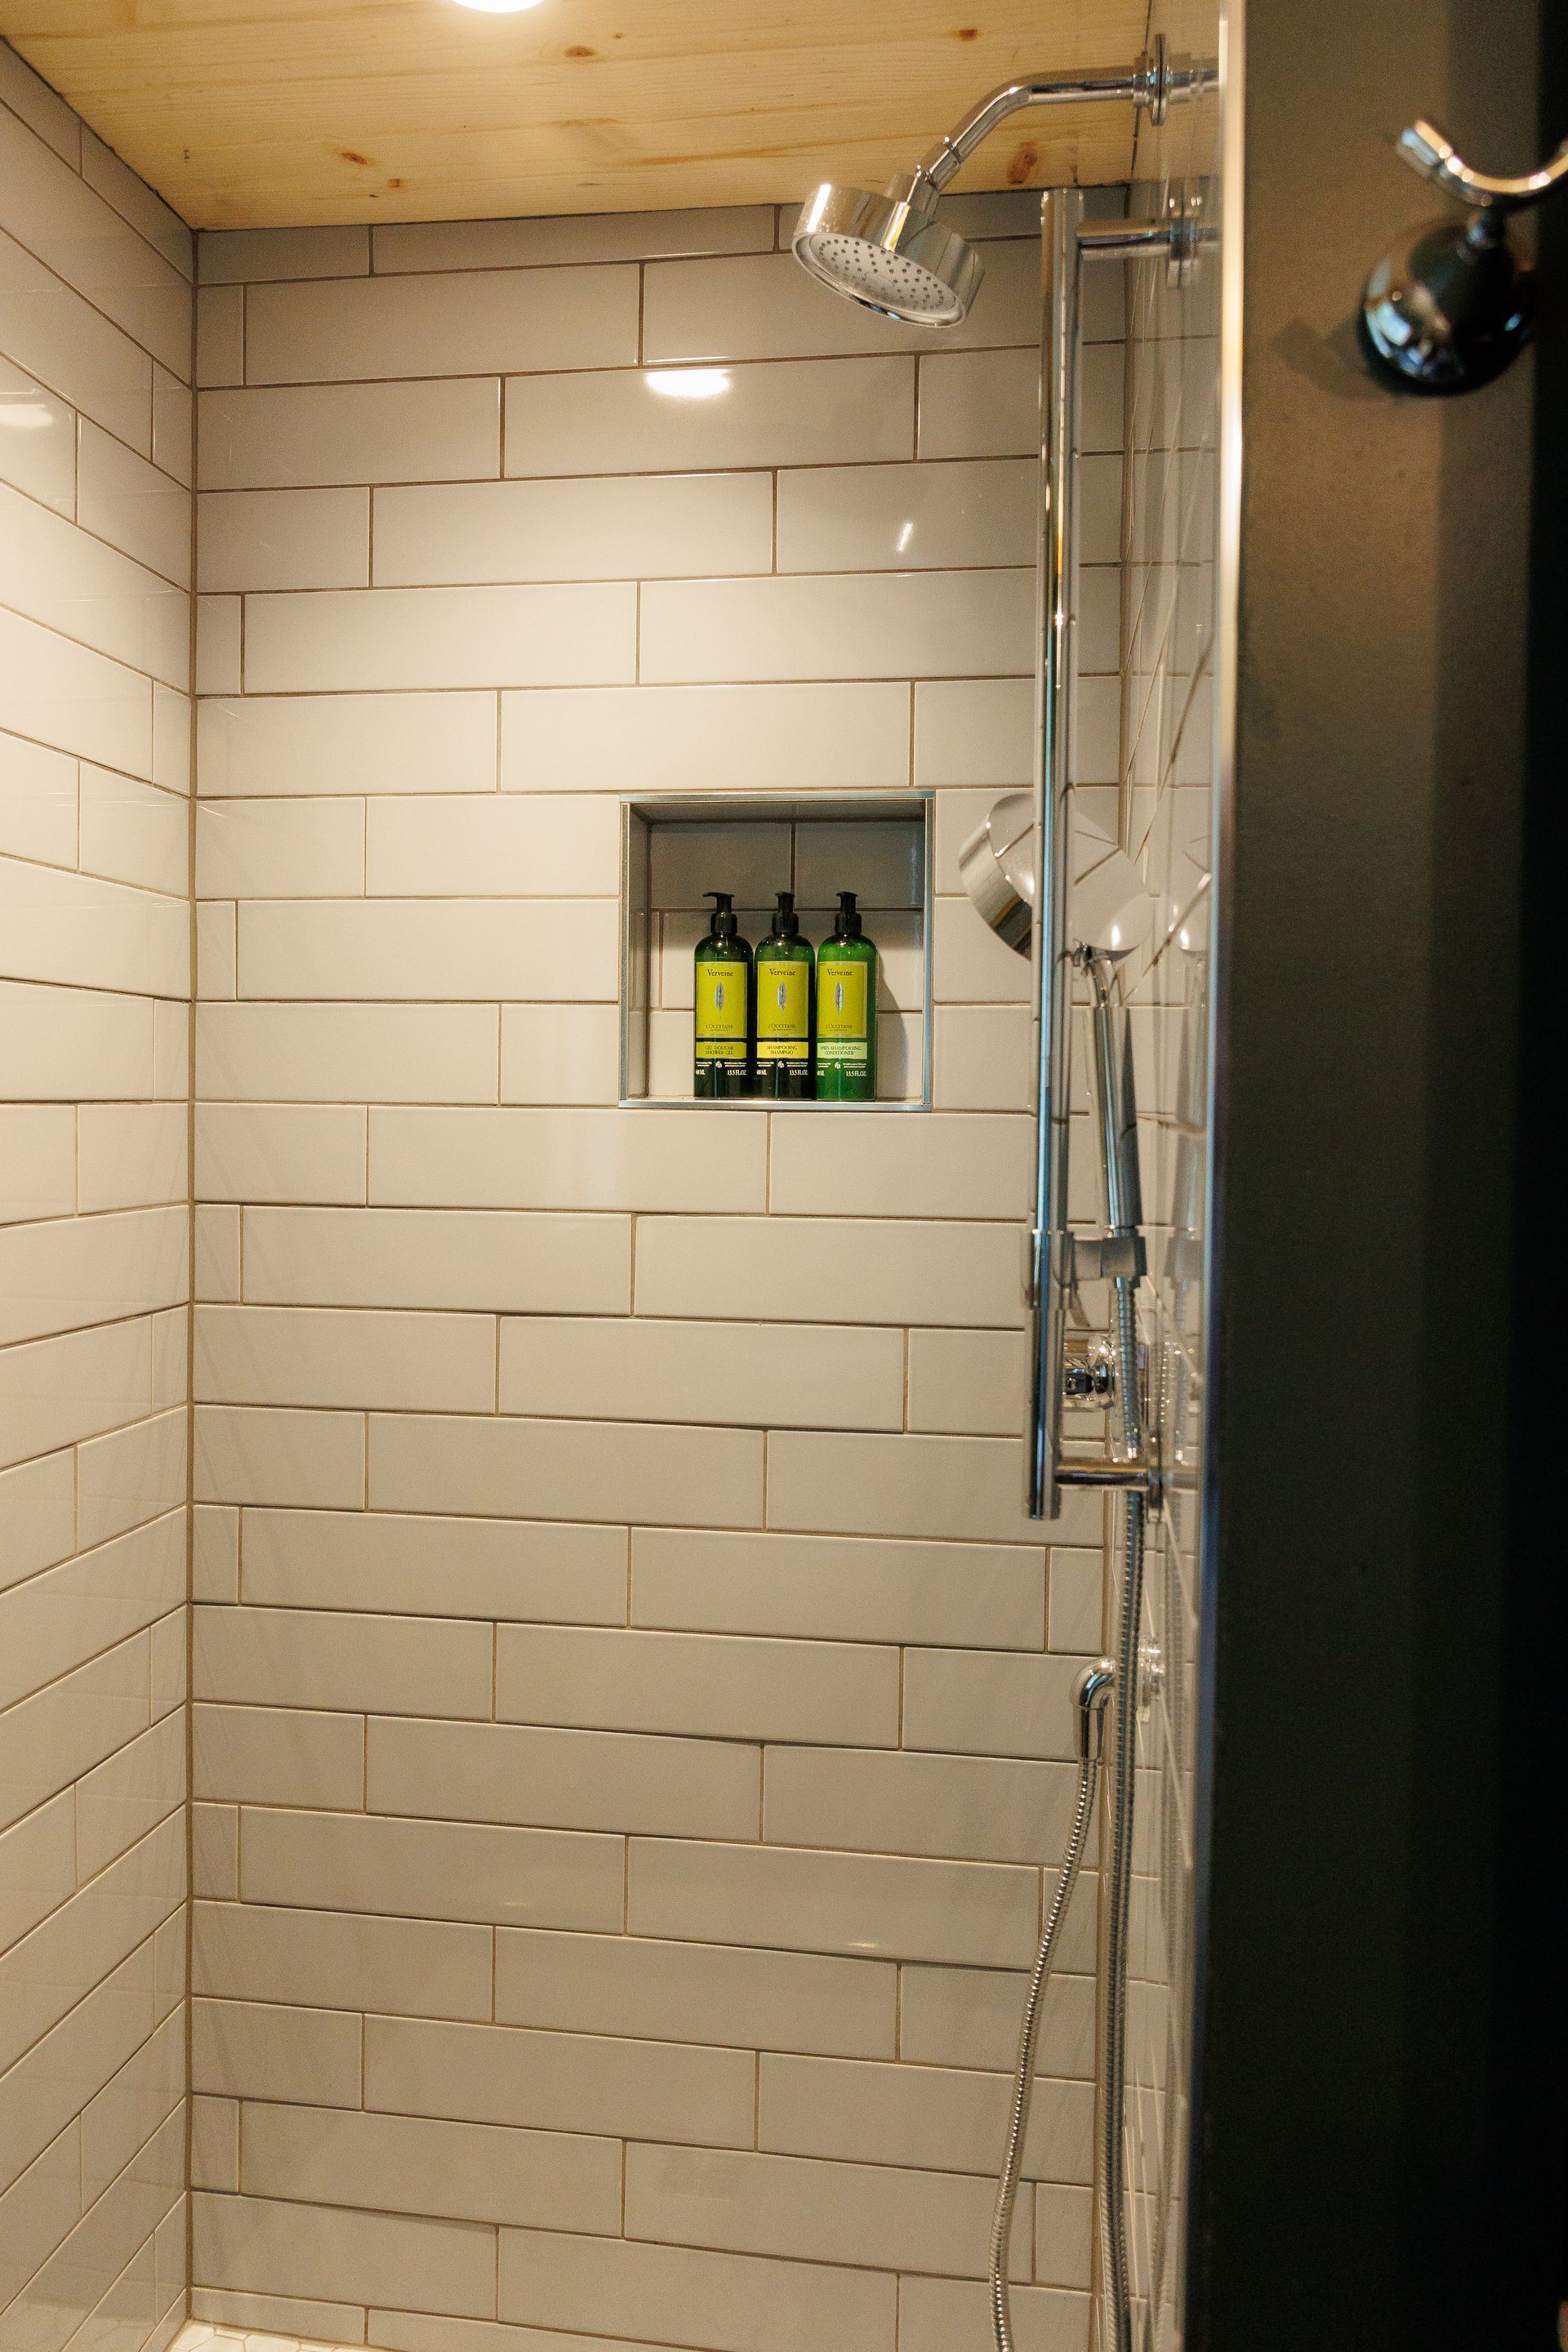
[630, 1746]
[95, 716]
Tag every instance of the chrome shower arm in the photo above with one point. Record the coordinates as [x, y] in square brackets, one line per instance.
[939, 164]
[1154, 81]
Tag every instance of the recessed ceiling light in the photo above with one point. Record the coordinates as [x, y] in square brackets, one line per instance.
[498, 7]
[687, 383]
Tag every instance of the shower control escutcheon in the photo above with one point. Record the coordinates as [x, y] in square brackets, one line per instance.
[1088, 1373]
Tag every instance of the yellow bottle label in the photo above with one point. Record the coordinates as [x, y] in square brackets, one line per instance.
[722, 1012]
[842, 1022]
[784, 1009]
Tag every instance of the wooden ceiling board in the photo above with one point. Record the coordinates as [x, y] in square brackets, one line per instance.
[278, 113]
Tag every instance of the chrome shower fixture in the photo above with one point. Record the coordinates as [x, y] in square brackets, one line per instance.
[888, 252]
[1451, 305]
[997, 866]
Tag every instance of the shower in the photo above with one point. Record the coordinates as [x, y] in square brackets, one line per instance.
[889, 253]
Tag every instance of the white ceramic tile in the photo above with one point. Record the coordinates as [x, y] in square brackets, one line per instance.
[481, 949]
[253, 1455]
[135, 202]
[960, 1807]
[353, 743]
[75, 929]
[695, 1993]
[67, 223]
[131, 832]
[127, 1796]
[698, 1683]
[131, 1477]
[544, 846]
[983, 1058]
[57, 336]
[562, 2081]
[220, 645]
[321, 2250]
[73, 1043]
[132, 505]
[454, 1258]
[648, 527]
[404, 2164]
[645, 421]
[575, 635]
[702, 738]
[50, 1740]
[217, 948]
[571, 237]
[278, 1755]
[277, 1151]
[734, 2303]
[42, 109]
[974, 732]
[56, 1620]
[568, 1160]
[802, 1270]
[436, 1869]
[280, 849]
[560, 1053]
[66, 1275]
[970, 964]
[243, 256]
[968, 1383]
[337, 1053]
[750, 1374]
[613, 1781]
[266, 2051]
[248, 540]
[834, 1588]
[262, 439]
[969, 2017]
[980, 404]
[957, 1486]
[985, 1703]
[38, 1162]
[436, 1567]
[888, 624]
[903, 518]
[246, 1951]
[220, 336]
[171, 716]
[935, 2313]
[37, 802]
[131, 1155]
[334, 1356]
[878, 1907]
[67, 695]
[765, 307]
[756, 2203]
[37, 440]
[174, 426]
[360, 328]
[587, 1470]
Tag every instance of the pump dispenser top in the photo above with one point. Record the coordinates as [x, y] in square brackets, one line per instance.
[847, 921]
[786, 922]
[721, 924]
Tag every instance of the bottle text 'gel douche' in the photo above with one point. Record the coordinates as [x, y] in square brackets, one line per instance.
[722, 1062]
[846, 1010]
[784, 971]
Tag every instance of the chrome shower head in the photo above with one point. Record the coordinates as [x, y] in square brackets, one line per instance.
[889, 254]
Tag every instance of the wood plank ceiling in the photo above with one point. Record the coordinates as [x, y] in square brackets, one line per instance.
[277, 113]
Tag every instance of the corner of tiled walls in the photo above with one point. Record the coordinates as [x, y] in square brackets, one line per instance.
[633, 1712]
[95, 555]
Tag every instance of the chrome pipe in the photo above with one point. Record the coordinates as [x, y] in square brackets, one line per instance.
[1050, 1254]
[1140, 82]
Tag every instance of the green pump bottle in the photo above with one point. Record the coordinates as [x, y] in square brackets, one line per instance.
[783, 968]
[723, 1064]
[846, 1010]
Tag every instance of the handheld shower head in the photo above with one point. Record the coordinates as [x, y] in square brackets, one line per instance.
[889, 255]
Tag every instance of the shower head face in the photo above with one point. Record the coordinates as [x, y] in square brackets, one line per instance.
[887, 254]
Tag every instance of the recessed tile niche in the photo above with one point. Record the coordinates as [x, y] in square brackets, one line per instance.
[675, 849]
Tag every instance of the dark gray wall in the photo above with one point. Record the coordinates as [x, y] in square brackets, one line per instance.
[1378, 2130]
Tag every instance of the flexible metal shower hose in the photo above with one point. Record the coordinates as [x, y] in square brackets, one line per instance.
[1024, 2081]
